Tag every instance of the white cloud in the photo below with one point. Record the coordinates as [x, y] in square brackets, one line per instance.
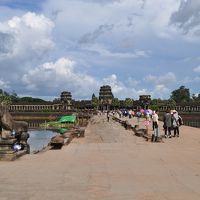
[161, 84]
[30, 34]
[186, 19]
[4, 84]
[132, 82]
[115, 21]
[117, 87]
[160, 91]
[187, 80]
[107, 42]
[142, 91]
[197, 79]
[197, 69]
[58, 76]
[166, 79]
[7, 13]
[102, 51]
[61, 75]
[25, 41]
[122, 91]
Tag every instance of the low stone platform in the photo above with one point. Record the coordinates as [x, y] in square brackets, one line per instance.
[6, 151]
[59, 140]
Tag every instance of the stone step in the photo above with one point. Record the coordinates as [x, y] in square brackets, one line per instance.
[11, 155]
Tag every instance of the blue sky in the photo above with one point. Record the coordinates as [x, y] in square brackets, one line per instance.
[136, 46]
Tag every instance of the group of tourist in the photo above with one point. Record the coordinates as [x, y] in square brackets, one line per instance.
[171, 122]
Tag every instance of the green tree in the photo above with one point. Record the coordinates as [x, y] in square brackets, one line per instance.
[14, 97]
[171, 103]
[31, 99]
[5, 100]
[115, 103]
[128, 103]
[196, 98]
[95, 101]
[154, 104]
[181, 95]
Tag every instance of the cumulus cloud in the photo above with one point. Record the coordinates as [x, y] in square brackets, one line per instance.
[117, 86]
[161, 84]
[30, 33]
[6, 42]
[60, 75]
[161, 90]
[166, 79]
[186, 18]
[132, 82]
[121, 18]
[122, 90]
[197, 69]
[4, 85]
[24, 41]
[108, 37]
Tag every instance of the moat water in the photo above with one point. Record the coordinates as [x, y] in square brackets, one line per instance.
[39, 139]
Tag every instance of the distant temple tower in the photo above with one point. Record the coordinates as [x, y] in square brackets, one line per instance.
[105, 97]
[145, 101]
[66, 100]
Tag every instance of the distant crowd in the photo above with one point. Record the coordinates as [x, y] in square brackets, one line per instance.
[171, 121]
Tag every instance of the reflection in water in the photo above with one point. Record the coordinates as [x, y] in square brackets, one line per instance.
[39, 139]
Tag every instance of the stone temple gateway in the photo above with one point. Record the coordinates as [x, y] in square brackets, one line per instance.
[105, 97]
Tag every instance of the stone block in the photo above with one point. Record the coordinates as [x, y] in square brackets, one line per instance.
[11, 155]
[6, 134]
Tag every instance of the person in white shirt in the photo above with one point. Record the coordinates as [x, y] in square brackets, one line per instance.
[155, 134]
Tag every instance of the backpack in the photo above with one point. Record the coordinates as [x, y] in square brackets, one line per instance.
[180, 120]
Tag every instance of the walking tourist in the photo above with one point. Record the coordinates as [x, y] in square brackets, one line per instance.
[176, 123]
[155, 134]
[146, 124]
[167, 119]
[153, 123]
[108, 116]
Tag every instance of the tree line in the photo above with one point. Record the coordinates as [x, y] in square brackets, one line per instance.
[7, 98]
[178, 96]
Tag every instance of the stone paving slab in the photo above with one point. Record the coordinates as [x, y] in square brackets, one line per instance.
[109, 163]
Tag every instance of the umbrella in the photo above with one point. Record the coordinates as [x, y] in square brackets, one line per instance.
[142, 110]
[150, 111]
